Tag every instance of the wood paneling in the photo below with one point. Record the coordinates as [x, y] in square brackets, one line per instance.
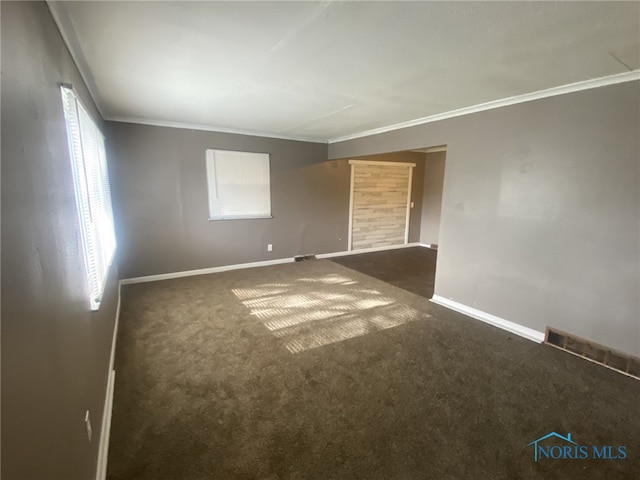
[379, 205]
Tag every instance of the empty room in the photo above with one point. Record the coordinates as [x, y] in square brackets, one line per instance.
[320, 240]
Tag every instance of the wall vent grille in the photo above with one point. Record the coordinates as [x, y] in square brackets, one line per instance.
[594, 352]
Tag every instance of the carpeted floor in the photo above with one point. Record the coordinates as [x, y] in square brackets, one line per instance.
[412, 268]
[315, 371]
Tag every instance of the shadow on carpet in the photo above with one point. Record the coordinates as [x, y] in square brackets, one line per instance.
[315, 371]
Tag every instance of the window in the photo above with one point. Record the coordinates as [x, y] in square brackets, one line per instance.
[238, 185]
[93, 198]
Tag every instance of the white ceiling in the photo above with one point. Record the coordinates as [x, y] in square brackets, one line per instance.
[325, 70]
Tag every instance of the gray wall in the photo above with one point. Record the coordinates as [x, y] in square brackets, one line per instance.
[55, 352]
[432, 197]
[160, 200]
[541, 210]
[160, 193]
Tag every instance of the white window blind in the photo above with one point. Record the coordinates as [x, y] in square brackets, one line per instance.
[93, 197]
[239, 185]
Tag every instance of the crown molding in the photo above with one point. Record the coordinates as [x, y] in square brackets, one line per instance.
[64, 24]
[68, 34]
[504, 102]
[441, 148]
[65, 27]
[375, 162]
[211, 128]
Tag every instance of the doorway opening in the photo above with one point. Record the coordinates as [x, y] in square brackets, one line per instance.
[396, 202]
[433, 186]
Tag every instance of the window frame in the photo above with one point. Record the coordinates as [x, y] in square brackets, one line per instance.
[88, 161]
[212, 189]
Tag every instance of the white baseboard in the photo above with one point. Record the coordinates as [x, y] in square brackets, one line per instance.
[204, 271]
[428, 245]
[105, 430]
[266, 263]
[515, 328]
[103, 453]
[367, 250]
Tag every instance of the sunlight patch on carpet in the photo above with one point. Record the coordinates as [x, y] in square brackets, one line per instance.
[313, 312]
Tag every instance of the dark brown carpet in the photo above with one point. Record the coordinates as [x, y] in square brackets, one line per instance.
[205, 389]
[412, 269]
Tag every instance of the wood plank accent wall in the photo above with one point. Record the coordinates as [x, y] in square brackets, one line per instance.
[380, 195]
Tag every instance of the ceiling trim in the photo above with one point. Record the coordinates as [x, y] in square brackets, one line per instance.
[375, 162]
[211, 128]
[504, 102]
[441, 148]
[65, 27]
[63, 22]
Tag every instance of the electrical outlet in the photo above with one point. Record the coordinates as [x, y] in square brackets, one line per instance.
[269, 247]
[411, 204]
[87, 421]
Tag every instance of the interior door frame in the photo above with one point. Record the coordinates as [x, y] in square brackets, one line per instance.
[353, 164]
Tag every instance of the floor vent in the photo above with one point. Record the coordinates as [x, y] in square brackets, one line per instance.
[304, 258]
[594, 352]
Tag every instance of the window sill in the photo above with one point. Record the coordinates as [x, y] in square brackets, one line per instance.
[241, 217]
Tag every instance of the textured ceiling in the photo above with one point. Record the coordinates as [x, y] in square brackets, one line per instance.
[322, 70]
